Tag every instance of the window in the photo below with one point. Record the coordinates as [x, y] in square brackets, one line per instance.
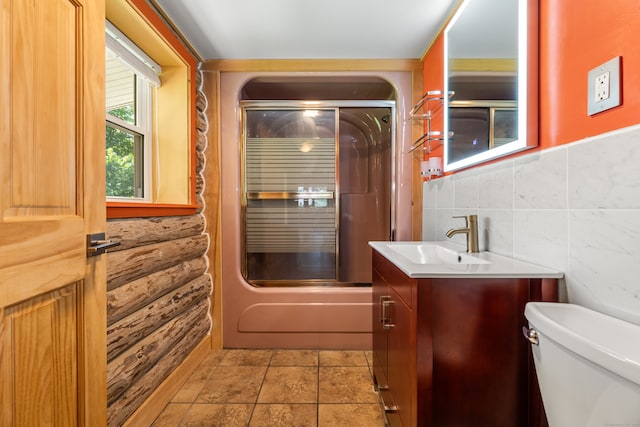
[150, 115]
[130, 74]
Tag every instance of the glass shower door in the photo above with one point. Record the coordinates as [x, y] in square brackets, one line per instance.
[290, 195]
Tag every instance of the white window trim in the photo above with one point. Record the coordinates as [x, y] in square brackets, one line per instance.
[132, 55]
[147, 74]
[142, 127]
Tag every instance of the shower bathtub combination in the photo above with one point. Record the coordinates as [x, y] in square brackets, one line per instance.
[313, 167]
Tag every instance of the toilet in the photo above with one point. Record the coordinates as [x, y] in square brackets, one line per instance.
[587, 364]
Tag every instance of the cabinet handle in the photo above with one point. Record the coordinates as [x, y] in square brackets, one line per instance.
[386, 313]
[381, 307]
[390, 409]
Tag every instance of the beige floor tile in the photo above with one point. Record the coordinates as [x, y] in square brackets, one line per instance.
[171, 415]
[233, 384]
[294, 358]
[230, 382]
[246, 358]
[190, 390]
[369, 356]
[284, 415]
[342, 358]
[218, 415]
[346, 385]
[289, 384]
[352, 415]
[214, 357]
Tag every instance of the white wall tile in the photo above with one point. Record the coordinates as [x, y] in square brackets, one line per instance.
[603, 257]
[445, 192]
[605, 172]
[496, 231]
[541, 237]
[575, 208]
[466, 193]
[540, 180]
[429, 224]
[495, 186]
[429, 195]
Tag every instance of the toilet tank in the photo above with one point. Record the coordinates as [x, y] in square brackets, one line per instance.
[587, 364]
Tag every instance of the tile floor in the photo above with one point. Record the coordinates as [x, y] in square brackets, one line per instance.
[264, 388]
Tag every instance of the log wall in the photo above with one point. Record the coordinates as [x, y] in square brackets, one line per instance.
[158, 294]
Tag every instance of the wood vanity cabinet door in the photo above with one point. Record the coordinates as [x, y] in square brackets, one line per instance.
[402, 357]
[455, 356]
[380, 364]
[480, 359]
[394, 346]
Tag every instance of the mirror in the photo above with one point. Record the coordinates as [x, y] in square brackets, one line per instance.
[490, 63]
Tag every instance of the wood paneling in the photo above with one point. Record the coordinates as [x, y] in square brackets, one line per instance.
[148, 411]
[209, 142]
[136, 395]
[417, 130]
[158, 308]
[133, 296]
[129, 368]
[135, 327]
[139, 231]
[134, 263]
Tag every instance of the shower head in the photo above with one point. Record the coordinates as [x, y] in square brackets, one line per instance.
[385, 118]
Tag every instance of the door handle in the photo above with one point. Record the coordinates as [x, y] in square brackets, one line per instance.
[97, 244]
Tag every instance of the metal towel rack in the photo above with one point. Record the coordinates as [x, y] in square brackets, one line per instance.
[429, 135]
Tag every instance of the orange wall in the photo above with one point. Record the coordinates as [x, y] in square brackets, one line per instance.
[571, 43]
[433, 80]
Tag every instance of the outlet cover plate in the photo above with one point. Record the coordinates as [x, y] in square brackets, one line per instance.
[602, 81]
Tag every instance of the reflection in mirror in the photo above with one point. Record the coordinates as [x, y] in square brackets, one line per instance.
[486, 64]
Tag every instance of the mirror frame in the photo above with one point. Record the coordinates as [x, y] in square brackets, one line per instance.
[527, 73]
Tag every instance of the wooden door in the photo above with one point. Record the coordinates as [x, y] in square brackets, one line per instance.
[52, 297]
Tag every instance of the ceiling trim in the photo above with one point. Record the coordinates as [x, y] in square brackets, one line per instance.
[310, 65]
[174, 28]
[440, 32]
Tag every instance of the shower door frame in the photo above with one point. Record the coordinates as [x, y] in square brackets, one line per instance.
[312, 105]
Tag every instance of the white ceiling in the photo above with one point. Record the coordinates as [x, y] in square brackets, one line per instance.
[306, 29]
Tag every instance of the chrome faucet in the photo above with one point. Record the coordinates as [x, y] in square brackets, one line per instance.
[470, 229]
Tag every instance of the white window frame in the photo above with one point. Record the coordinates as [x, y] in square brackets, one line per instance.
[142, 127]
[147, 73]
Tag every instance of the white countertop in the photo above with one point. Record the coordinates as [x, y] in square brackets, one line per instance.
[495, 266]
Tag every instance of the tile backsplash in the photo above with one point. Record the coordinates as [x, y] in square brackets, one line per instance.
[575, 208]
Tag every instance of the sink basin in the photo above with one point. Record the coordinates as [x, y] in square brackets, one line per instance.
[448, 260]
[433, 253]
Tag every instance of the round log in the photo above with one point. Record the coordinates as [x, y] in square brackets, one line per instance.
[134, 263]
[134, 295]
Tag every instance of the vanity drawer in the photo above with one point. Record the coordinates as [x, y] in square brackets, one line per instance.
[404, 286]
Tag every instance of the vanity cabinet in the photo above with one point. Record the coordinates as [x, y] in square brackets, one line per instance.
[450, 351]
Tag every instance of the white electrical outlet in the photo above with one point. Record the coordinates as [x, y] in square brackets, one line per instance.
[603, 91]
[602, 87]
